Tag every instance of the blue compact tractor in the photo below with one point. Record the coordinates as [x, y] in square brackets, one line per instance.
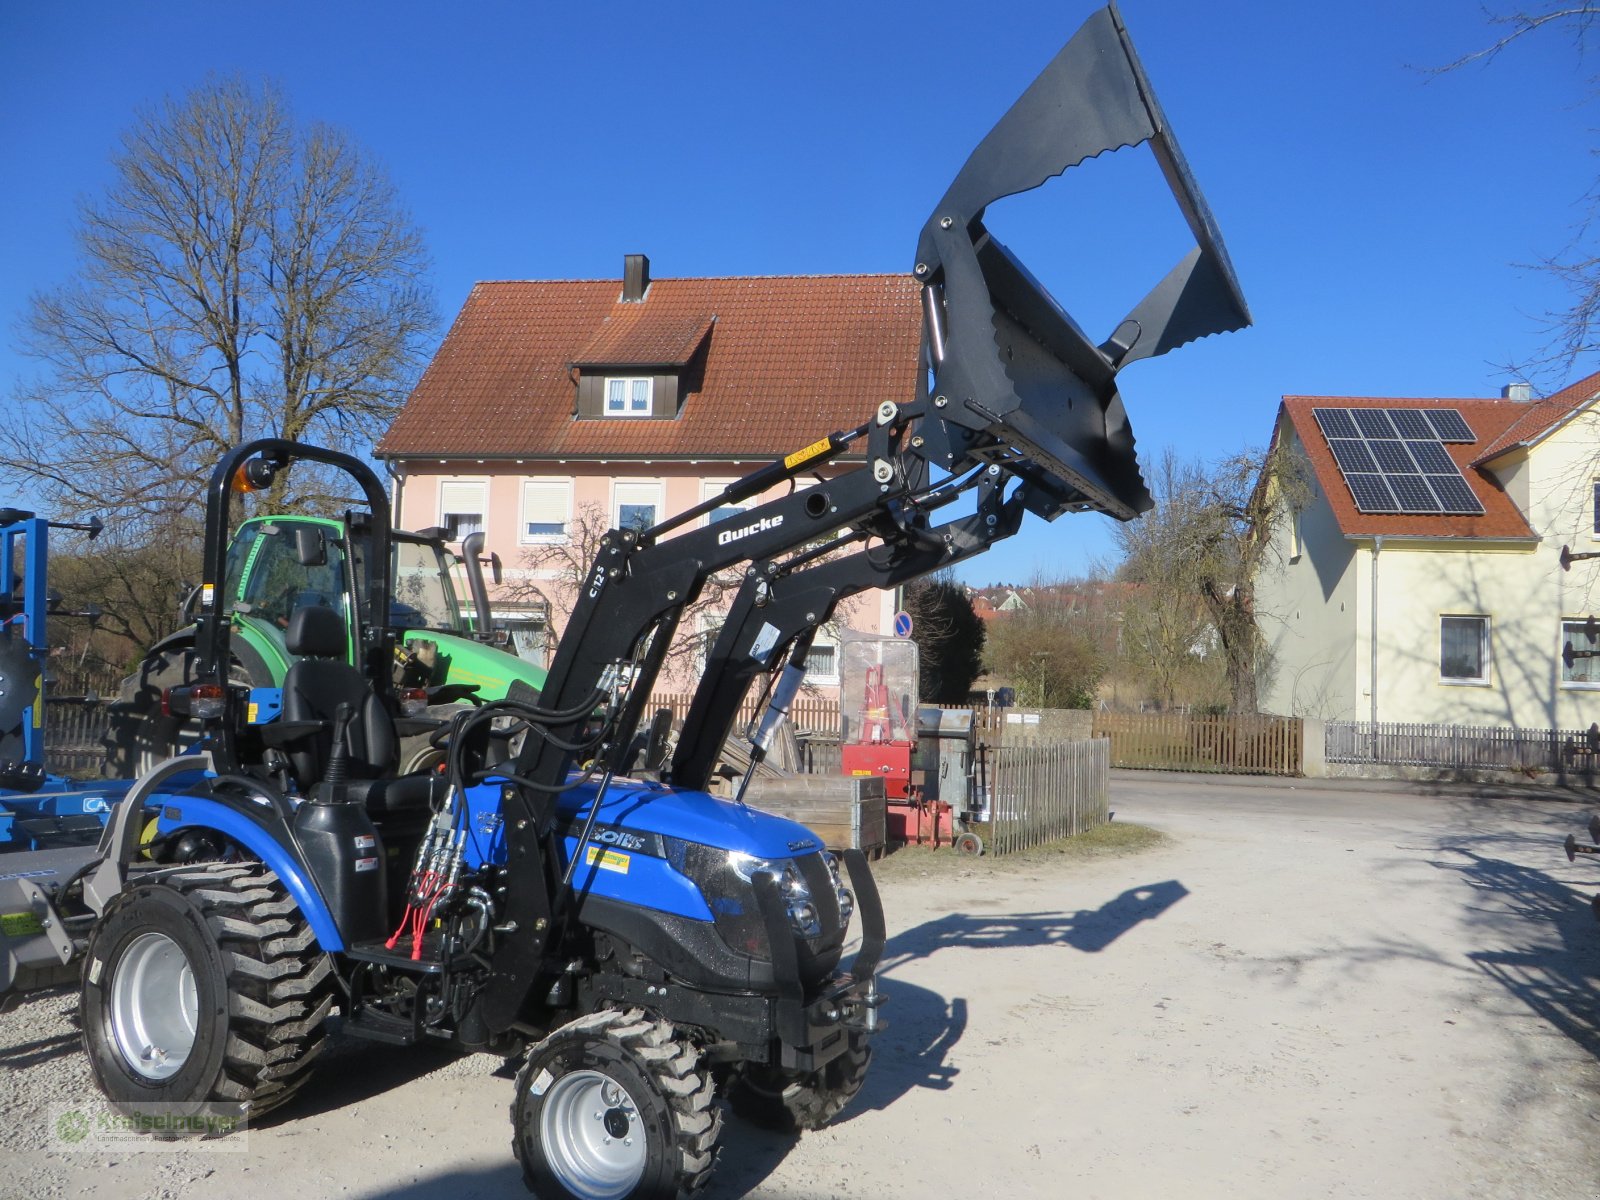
[559, 886]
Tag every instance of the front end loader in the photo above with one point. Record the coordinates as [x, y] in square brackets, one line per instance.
[552, 890]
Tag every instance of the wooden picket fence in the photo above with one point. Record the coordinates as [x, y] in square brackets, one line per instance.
[1249, 745]
[807, 714]
[73, 739]
[1039, 794]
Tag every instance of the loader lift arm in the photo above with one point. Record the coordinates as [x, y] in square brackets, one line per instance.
[779, 608]
[1010, 381]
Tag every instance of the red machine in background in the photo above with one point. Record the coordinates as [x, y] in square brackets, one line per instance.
[878, 695]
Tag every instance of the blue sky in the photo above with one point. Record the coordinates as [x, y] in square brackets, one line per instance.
[1376, 215]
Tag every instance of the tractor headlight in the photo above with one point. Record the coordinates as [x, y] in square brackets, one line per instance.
[726, 879]
[847, 898]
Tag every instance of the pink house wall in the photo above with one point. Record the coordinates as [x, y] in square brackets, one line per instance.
[417, 506]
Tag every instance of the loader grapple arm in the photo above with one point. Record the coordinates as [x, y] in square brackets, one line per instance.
[1021, 403]
[1017, 373]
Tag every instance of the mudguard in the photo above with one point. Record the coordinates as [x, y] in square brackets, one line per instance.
[197, 812]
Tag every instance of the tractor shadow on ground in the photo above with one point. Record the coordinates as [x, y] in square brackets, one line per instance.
[493, 1183]
[923, 1026]
[1556, 979]
[32, 1054]
[505, 1183]
[1088, 930]
[910, 1053]
[19, 1056]
[353, 1070]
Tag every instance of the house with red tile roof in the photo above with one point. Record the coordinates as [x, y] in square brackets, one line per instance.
[1419, 576]
[552, 406]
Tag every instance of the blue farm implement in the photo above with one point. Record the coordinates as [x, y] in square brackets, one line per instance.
[49, 825]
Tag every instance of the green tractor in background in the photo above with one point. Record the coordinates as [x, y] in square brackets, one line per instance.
[445, 655]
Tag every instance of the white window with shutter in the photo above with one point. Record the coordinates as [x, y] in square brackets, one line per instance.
[723, 512]
[462, 505]
[636, 503]
[822, 661]
[546, 510]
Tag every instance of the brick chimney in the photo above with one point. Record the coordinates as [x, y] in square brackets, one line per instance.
[635, 277]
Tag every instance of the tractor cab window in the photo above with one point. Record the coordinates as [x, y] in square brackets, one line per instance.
[423, 596]
[275, 582]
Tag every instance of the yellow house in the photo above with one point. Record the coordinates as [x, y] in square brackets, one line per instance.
[1420, 577]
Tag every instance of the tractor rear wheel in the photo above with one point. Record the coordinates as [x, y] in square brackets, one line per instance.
[615, 1105]
[204, 992]
[791, 1102]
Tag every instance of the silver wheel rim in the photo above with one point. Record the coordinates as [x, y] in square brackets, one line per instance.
[154, 1006]
[592, 1136]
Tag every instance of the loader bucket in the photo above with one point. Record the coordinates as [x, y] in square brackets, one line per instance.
[1017, 376]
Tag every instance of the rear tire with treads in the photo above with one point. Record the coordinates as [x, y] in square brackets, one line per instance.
[204, 990]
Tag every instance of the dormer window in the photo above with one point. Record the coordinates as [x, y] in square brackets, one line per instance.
[629, 397]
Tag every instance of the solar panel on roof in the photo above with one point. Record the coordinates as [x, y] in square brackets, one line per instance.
[1454, 495]
[1431, 457]
[1335, 423]
[1393, 461]
[1374, 423]
[1393, 458]
[1412, 494]
[1352, 454]
[1371, 492]
[1412, 423]
[1450, 425]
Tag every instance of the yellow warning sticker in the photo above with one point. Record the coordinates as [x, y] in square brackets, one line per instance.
[22, 924]
[804, 456]
[608, 860]
[252, 713]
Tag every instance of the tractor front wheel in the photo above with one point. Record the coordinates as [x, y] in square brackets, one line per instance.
[203, 991]
[790, 1102]
[611, 1106]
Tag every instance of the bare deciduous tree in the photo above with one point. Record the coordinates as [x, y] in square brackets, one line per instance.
[241, 276]
[1574, 332]
[554, 572]
[1207, 540]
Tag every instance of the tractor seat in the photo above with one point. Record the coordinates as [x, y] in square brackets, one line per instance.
[314, 689]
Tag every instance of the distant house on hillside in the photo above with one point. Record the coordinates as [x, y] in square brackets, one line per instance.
[635, 399]
[1420, 580]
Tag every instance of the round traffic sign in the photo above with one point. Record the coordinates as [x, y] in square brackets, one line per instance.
[902, 624]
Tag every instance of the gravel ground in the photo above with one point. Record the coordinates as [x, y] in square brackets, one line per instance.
[1301, 992]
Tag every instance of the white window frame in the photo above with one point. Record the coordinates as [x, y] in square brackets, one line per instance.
[462, 483]
[617, 488]
[1485, 651]
[546, 484]
[1575, 685]
[709, 627]
[708, 489]
[629, 385]
[828, 637]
